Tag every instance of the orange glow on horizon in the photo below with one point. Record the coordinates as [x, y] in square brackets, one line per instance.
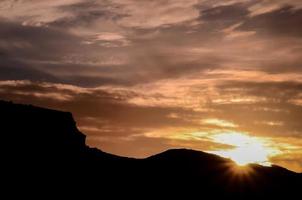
[247, 149]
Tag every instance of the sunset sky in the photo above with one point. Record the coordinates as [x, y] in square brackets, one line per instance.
[143, 76]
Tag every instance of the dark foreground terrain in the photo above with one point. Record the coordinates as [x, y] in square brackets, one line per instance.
[43, 150]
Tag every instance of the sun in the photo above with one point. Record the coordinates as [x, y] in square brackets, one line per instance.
[246, 149]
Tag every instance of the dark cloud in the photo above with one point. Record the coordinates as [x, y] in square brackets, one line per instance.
[52, 55]
[21, 72]
[229, 13]
[284, 90]
[284, 22]
[84, 14]
[35, 43]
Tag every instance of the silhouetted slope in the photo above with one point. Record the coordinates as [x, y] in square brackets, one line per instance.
[45, 145]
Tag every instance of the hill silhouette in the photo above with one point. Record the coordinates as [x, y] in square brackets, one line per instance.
[44, 146]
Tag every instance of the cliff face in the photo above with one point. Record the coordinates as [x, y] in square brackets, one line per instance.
[37, 133]
[45, 145]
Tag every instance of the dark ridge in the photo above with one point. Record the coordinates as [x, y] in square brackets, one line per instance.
[42, 148]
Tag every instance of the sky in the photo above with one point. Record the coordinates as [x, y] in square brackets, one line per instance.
[144, 76]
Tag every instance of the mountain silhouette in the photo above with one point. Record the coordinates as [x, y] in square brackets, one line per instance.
[43, 146]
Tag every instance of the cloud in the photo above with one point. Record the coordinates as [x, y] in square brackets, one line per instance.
[75, 49]
[26, 44]
[112, 39]
[128, 13]
[152, 14]
[231, 33]
[284, 21]
[267, 6]
[112, 106]
[41, 11]
[219, 122]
